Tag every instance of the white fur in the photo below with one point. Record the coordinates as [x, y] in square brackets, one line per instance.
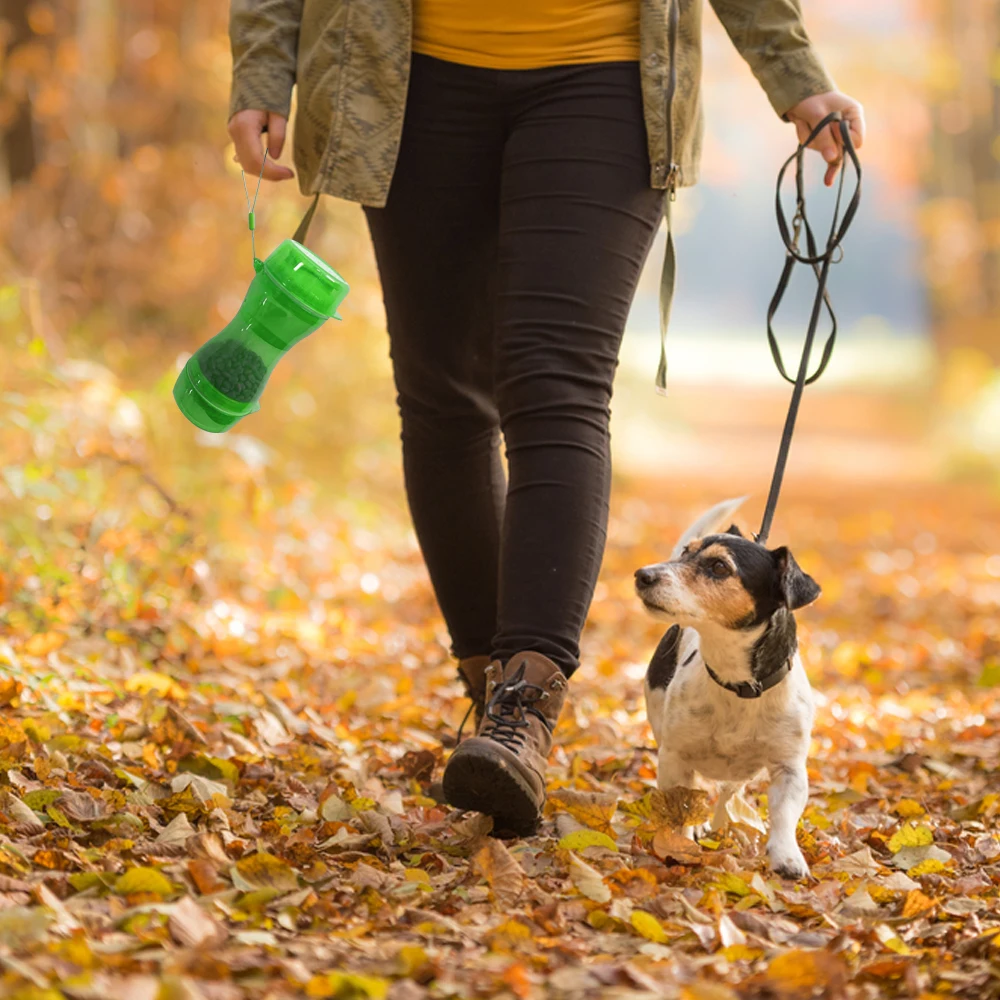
[701, 728]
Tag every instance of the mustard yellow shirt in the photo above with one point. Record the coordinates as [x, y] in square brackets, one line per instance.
[526, 34]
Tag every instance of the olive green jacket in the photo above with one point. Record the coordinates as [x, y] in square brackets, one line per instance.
[351, 62]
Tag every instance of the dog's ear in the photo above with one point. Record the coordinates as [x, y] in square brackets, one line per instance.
[797, 588]
[733, 530]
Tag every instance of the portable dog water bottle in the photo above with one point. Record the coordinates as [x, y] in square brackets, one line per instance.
[293, 294]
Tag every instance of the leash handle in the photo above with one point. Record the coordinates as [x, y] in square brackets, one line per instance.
[820, 263]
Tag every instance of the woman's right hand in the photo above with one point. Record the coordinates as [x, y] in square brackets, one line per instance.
[246, 129]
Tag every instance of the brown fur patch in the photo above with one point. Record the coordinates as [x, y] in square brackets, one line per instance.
[724, 601]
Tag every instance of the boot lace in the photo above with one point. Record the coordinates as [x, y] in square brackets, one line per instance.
[508, 707]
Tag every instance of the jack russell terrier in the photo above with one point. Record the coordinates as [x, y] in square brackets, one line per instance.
[726, 692]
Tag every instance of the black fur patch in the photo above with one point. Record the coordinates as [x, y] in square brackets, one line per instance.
[663, 664]
[775, 646]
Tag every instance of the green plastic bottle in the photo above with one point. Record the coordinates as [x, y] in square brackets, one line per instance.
[293, 294]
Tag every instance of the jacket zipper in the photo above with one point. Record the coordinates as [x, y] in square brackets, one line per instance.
[673, 170]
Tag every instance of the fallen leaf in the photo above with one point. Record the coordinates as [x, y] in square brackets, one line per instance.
[800, 972]
[916, 902]
[729, 933]
[81, 807]
[910, 835]
[740, 811]
[264, 871]
[143, 880]
[861, 862]
[592, 809]
[908, 858]
[501, 871]
[648, 926]
[580, 840]
[668, 844]
[588, 880]
[192, 927]
[205, 876]
[177, 832]
[860, 903]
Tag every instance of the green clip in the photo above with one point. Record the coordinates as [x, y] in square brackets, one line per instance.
[251, 222]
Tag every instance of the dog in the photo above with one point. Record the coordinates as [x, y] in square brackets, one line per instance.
[726, 693]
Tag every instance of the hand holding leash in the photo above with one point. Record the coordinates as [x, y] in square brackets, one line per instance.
[820, 262]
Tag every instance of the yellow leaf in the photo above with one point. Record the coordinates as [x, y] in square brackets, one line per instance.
[578, 840]
[891, 940]
[648, 926]
[417, 875]
[801, 971]
[499, 867]
[511, 930]
[588, 880]
[153, 682]
[916, 902]
[140, 880]
[731, 883]
[929, 866]
[910, 835]
[741, 953]
[347, 986]
[411, 959]
[592, 809]
[264, 871]
[908, 809]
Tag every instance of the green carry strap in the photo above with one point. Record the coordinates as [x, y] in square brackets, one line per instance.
[303, 230]
[667, 281]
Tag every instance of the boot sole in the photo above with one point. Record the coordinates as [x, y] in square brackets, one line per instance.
[479, 782]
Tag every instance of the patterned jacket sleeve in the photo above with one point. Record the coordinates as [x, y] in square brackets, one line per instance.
[265, 36]
[771, 36]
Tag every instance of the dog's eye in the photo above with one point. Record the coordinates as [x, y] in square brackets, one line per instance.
[719, 569]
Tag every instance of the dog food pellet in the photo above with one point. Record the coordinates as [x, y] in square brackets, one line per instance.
[233, 369]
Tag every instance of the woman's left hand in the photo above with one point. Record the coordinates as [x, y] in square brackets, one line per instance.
[807, 114]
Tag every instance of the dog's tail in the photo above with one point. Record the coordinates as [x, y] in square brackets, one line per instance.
[713, 519]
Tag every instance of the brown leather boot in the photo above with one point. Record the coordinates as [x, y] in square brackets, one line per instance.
[472, 673]
[501, 770]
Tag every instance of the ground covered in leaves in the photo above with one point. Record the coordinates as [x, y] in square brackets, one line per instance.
[226, 705]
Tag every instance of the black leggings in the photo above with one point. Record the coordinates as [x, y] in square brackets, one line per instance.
[518, 220]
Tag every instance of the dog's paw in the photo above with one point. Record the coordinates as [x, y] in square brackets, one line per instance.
[788, 862]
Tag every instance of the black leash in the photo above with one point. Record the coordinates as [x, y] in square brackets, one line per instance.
[820, 263]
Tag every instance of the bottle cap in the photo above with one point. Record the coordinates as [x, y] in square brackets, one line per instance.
[309, 278]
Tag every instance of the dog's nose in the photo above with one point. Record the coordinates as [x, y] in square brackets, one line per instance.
[646, 576]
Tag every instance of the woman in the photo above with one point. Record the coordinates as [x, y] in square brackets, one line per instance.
[513, 158]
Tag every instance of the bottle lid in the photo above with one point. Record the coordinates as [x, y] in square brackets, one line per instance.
[308, 277]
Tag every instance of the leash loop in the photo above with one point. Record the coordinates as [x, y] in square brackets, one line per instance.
[820, 262]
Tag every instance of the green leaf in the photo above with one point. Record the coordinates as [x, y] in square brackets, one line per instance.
[990, 677]
[41, 798]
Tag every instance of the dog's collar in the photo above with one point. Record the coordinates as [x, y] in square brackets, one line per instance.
[756, 687]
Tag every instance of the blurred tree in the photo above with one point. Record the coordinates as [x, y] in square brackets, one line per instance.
[961, 215]
[17, 159]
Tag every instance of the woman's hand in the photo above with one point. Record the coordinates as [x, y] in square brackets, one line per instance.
[246, 129]
[809, 113]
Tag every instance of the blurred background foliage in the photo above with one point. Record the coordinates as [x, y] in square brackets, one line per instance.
[123, 246]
